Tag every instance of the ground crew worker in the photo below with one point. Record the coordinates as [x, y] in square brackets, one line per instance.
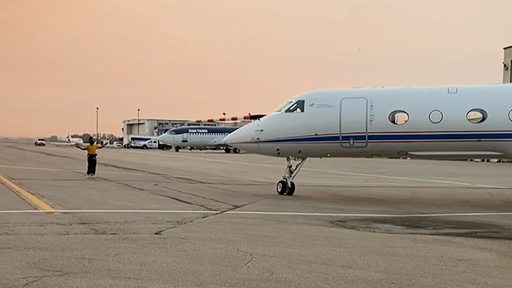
[91, 156]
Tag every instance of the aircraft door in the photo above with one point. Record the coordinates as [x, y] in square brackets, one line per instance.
[184, 137]
[354, 122]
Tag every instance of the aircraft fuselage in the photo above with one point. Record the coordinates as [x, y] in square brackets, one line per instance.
[196, 137]
[427, 122]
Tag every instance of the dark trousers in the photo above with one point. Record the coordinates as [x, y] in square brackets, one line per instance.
[91, 164]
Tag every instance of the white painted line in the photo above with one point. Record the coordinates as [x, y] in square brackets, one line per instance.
[31, 168]
[116, 211]
[172, 155]
[406, 178]
[458, 183]
[67, 170]
[269, 213]
[343, 173]
[372, 215]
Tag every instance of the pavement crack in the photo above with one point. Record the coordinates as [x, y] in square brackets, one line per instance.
[249, 255]
[181, 224]
[185, 222]
[158, 194]
[41, 277]
[130, 169]
[42, 152]
[182, 201]
[31, 282]
[175, 190]
[197, 195]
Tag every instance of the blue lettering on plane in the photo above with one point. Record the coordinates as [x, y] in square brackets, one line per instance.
[217, 130]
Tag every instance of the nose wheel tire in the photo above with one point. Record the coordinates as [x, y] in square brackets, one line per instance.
[286, 186]
[291, 189]
[283, 188]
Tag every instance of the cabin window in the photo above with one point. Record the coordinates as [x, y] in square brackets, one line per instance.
[297, 107]
[435, 116]
[398, 117]
[476, 115]
[510, 115]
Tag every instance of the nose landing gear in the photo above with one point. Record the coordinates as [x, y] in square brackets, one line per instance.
[286, 186]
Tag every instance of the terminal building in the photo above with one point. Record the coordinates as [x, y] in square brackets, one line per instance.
[155, 127]
[148, 127]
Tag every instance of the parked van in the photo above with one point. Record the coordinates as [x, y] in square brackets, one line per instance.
[40, 142]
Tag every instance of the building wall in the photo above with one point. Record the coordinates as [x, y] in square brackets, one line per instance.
[148, 127]
[156, 127]
[507, 65]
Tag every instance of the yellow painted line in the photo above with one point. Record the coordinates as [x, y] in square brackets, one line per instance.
[32, 199]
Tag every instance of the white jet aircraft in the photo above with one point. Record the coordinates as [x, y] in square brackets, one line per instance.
[74, 141]
[198, 137]
[451, 122]
[68, 142]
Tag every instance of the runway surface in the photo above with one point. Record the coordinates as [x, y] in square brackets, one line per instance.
[210, 219]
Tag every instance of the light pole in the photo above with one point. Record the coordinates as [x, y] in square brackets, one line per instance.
[97, 134]
[138, 111]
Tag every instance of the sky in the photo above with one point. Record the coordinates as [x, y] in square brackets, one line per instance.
[197, 59]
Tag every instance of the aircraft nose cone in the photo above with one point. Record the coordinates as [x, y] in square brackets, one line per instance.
[239, 136]
[162, 138]
[228, 140]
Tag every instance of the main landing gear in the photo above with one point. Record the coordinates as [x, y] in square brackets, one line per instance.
[286, 186]
[229, 150]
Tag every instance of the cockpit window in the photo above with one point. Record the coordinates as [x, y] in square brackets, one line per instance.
[283, 106]
[297, 107]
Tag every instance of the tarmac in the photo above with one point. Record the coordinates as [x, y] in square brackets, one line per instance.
[153, 218]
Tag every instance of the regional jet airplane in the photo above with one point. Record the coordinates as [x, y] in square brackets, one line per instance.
[430, 122]
[198, 137]
[74, 141]
[69, 142]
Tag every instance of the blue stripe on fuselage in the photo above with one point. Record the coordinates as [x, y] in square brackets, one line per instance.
[406, 137]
